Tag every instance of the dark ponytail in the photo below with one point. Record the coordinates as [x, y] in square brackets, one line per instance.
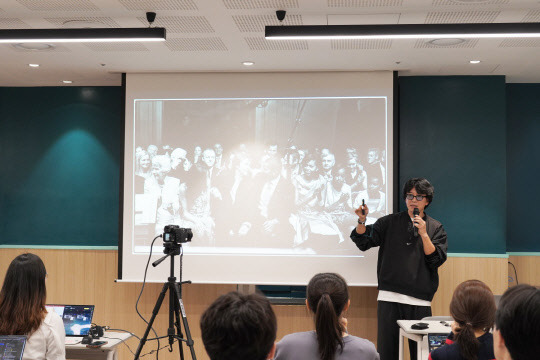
[327, 296]
[467, 342]
[473, 309]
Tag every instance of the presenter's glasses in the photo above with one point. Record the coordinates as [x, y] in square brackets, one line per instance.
[418, 197]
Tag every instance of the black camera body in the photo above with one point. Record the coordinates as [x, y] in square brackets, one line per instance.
[174, 234]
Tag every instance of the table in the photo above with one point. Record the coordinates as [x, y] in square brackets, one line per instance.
[105, 352]
[405, 331]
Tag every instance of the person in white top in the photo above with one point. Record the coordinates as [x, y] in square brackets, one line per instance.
[22, 310]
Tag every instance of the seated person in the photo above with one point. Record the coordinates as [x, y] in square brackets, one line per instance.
[473, 310]
[239, 327]
[22, 310]
[517, 329]
[327, 299]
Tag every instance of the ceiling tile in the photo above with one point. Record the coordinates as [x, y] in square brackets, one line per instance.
[59, 5]
[182, 24]
[256, 23]
[363, 3]
[196, 44]
[360, 44]
[155, 5]
[260, 4]
[260, 43]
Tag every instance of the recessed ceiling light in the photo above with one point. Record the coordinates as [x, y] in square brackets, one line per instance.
[34, 46]
[446, 42]
[33, 65]
[248, 63]
[67, 81]
[475, 61]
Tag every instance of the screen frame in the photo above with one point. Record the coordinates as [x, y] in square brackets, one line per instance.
[394, 142]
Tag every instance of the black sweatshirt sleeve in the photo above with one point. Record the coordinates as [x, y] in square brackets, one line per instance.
[373, 236]
[438, 257]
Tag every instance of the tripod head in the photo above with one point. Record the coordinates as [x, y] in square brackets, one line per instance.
[169, 249]
[173, 238]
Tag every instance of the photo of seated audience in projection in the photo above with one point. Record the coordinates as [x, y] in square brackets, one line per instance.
[281, 176]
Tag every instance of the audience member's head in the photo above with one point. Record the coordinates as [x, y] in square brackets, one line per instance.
[178, 156]
[152, 150]
[239, 327]
[328, 161]
[473, 310]
[517, 324]
[143, 163]
[327, 298]
[161, 165]
[209, 157]
[23, 296]
[310, 167]
[373, 156]
[218, 148]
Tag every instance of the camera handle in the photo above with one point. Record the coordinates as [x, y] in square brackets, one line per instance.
[176, 305]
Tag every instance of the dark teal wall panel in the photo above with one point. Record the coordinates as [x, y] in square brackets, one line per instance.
[61, 150]
[61, 155]
[452, 131]
[523, 166]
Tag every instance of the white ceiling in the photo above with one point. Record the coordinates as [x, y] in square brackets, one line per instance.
[218, 35]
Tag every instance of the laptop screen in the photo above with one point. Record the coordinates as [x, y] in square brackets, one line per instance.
[77, 318]
[436, 341]
[12, 347]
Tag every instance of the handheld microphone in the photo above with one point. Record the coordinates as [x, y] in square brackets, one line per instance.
[415, 229]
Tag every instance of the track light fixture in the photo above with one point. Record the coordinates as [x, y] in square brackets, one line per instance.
[404, 31]
[81, 35]
[85, 34]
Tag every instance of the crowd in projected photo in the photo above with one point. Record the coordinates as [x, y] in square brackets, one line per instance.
[252, 174]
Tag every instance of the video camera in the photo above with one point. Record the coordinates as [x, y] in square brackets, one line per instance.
[174, 234]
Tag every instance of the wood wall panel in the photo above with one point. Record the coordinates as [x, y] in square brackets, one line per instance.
[87, 276]
[492, 271]
[528, 269]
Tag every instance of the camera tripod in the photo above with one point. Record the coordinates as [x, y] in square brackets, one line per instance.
[175, 306]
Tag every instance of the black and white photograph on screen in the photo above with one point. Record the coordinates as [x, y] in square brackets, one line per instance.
[253, 176]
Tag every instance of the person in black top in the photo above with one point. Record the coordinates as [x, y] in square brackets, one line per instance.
[517, 329]
[473, 310]
[407, 264]
[239, 327]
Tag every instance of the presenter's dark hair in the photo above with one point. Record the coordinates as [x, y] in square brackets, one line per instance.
[239, 327]
[518, 319]
[23, 296]
[327, 296]
[422, 186]
[473, 308]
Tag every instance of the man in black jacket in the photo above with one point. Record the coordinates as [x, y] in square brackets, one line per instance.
[407, 264]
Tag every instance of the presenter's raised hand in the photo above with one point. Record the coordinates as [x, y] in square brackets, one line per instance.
[362, 217]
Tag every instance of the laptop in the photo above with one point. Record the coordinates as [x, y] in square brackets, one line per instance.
[436, 340]
[77, 320]
[12, 347]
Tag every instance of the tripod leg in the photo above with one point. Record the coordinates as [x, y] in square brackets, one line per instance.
[154, 314]
[172, 300]
[177, 324]
[189, 339]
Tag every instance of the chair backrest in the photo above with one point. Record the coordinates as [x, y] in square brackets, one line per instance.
[497, 299]
[440, 318]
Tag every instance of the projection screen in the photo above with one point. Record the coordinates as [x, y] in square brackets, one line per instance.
[266, 169]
